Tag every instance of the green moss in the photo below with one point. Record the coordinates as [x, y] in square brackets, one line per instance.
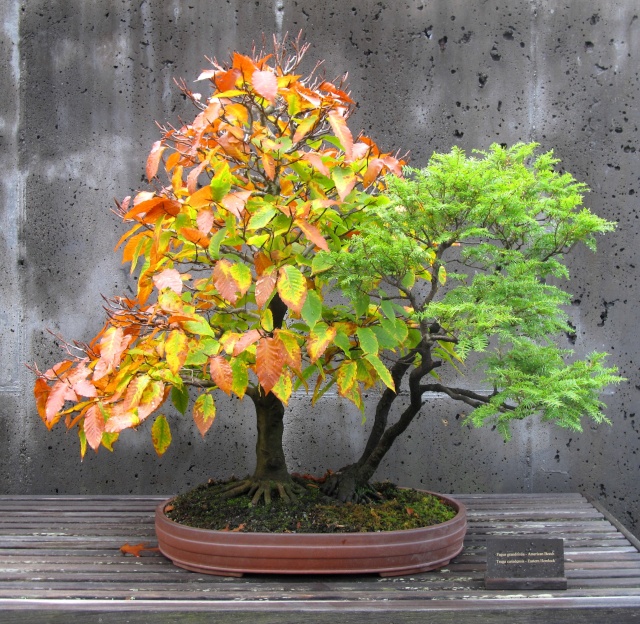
[205, 507]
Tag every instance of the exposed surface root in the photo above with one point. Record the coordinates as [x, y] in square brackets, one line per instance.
[346, 487]
[264, 490]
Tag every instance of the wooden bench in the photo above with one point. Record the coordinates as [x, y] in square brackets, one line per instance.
[60, 561]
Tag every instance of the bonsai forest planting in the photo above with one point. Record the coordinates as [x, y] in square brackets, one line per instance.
[277, 251]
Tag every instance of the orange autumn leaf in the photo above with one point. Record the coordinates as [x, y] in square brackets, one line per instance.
[339, 125]
[246, 340]
[270, 359]
[313, 234]
[226, 80]
[269, 165]
[221, 373]
[261, 261]
[94, 426]
[154, 159]
[137, 549]
[195, 236]
[264, 287]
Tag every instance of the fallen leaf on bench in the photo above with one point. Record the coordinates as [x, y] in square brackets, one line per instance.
[135, 549]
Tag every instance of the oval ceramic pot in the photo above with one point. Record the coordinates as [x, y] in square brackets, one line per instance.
[388, 553]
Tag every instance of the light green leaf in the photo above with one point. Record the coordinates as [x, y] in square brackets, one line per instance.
[312, 308]
[180, 398]
[199, 326]
[240, 377]
[342, 340]
[322, 262]
[382, 371]
[368, 340]
[221, 182]
[361, 304]
[262, 216]
[216, 241]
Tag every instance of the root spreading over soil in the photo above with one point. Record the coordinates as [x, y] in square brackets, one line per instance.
[206, 507]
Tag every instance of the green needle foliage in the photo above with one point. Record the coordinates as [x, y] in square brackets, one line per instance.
[470, 250]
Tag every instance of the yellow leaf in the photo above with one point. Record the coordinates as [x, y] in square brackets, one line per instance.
[292, 287]
[176, 350]
[161, 435]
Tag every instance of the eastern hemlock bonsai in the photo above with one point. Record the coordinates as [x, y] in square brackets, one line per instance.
[264, 204]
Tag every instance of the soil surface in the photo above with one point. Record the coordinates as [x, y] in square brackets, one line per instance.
[205, 507]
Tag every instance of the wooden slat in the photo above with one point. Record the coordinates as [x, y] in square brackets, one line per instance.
[60, 555]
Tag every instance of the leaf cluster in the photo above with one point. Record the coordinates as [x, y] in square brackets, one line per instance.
[230, 294]
[473, 250]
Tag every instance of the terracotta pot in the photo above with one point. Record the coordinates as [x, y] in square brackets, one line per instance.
[388, 553]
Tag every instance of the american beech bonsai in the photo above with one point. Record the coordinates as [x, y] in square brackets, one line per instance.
[264, 204]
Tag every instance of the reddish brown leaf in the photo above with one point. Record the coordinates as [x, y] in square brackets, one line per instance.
[394, 165]
[153, 159]
[312, 233]
[269, 165]
[41, 391]
[94, 426]
[247, 339]
[221, 373]
[204, 413]
[265, 85]
[60, 393]
[169, 278]
[165, 207]
[264, 287]
[152, 398]
[205, 221]
[373, 170]
[331, 88]
[339, 125]
[112, 346]
[142, 207]
[270, 359]
[314, 159]
[192, 178]
[85, 388]
[235, 202]
[222, 278]
[261, 261]
[120, 421]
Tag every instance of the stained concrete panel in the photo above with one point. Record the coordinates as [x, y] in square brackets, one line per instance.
[91, 78]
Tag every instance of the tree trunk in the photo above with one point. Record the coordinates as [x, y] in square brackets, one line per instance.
[270, 460]
[351, 482]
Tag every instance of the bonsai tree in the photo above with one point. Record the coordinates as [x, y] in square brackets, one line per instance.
[265, 203]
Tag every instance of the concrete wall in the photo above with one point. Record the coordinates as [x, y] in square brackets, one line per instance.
[84, 81]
